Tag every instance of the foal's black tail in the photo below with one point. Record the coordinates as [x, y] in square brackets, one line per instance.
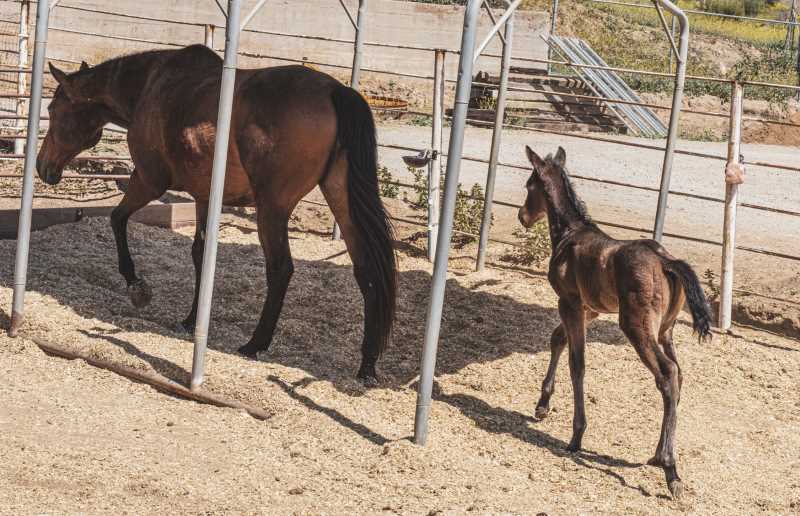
[356, 135]
[695, 297]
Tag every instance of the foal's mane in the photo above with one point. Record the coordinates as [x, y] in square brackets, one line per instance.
[572, 198]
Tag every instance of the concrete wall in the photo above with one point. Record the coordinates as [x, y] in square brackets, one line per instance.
[388, 21]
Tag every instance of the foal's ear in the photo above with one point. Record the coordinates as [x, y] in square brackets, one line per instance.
[64, 81]
[561, 157]
[84, 66]
[534, 158]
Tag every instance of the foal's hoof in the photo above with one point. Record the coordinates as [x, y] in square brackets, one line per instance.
[368, 377]
[249, 350]
[542, 412]
[655, 461]
[140, 293]
[676, 488]
[574, 447]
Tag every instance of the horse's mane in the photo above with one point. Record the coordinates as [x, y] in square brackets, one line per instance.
[572, 198]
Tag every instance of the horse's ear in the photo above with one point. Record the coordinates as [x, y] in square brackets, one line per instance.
[58, 75]
[534, 158]
[561, 157]
[84, 65]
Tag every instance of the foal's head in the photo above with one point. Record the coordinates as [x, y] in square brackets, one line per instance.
[76, 124]
[544, 170]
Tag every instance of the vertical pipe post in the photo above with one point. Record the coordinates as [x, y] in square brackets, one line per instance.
[497, 133]
[31, 141]
[731, 203]
[672, 135]
[355, 72]
[671, 54]
[22, 62]
[208, 36]
[217, 189]
[553, 21]
[456, 148]
[435, 164]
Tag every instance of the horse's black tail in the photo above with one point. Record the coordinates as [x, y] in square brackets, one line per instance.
[356, 135]
[695, 297]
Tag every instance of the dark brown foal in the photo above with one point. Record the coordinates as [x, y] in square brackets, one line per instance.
[593, 273]
[292, 128]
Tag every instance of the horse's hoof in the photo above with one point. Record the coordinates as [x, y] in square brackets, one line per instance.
[574, 447]
[249, 351]
[140, 293]
[655, 461]
[188, 325]
[542, 412]
[368, 377]
[675, 488]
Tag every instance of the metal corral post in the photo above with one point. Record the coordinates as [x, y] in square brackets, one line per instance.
[731, 203]
[22, 62]
[208, 39]
[31, 141]
[672, 135]
[355, 72]
[671, 54]
[497, 134]
[465, 66]
[553, 20]
[435, 164]
[217, 188]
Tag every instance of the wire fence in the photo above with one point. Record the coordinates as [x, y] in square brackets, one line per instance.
[10, 73]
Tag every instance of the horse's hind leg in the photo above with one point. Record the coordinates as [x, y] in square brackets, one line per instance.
[334, 188]
[136, 197]
[273, 232]
[558, 341]
[636, 323]
[198, 246]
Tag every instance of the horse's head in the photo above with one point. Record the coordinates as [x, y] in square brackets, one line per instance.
[76, 124]
[535, 207]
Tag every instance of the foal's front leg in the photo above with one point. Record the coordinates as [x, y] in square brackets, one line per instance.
[572, 316]
[558, 341]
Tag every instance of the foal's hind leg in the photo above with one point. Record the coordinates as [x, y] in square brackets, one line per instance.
[273, 232]
[198, 246]
[558, 341]
[637, 324]
[136, 197]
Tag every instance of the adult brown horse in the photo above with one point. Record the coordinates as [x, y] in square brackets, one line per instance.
[593, 273]
[292, 129]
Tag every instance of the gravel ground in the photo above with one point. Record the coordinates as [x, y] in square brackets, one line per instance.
[80, 440]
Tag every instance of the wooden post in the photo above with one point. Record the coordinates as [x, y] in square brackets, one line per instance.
[734, 176]
[209, 36]
[22, 78]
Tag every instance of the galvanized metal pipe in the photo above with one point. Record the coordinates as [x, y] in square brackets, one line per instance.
[497, 133]
[672, 135]
[496, 28]
[355, 71]
[26, 203]
[456, 148]
[435, 164]
[22, 62]
[220, 163]
[731, 204]
[671, 55]
[553, 21]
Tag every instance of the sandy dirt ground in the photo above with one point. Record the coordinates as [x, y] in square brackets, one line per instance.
[81, 440]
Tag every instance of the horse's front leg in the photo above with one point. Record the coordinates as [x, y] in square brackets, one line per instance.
[198, 246]
[572, 316]
[136, 197]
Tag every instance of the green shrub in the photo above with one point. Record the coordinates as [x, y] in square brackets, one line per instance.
[386, 188]
[535, 248]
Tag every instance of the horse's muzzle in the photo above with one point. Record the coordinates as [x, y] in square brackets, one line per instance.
[524, 218]
[48, 173]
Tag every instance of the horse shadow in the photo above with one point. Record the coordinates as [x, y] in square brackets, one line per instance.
[321, 324]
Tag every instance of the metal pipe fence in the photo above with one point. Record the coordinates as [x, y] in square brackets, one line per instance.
[519, 59]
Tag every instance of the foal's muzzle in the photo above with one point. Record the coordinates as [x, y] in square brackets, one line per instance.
[48, 172]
